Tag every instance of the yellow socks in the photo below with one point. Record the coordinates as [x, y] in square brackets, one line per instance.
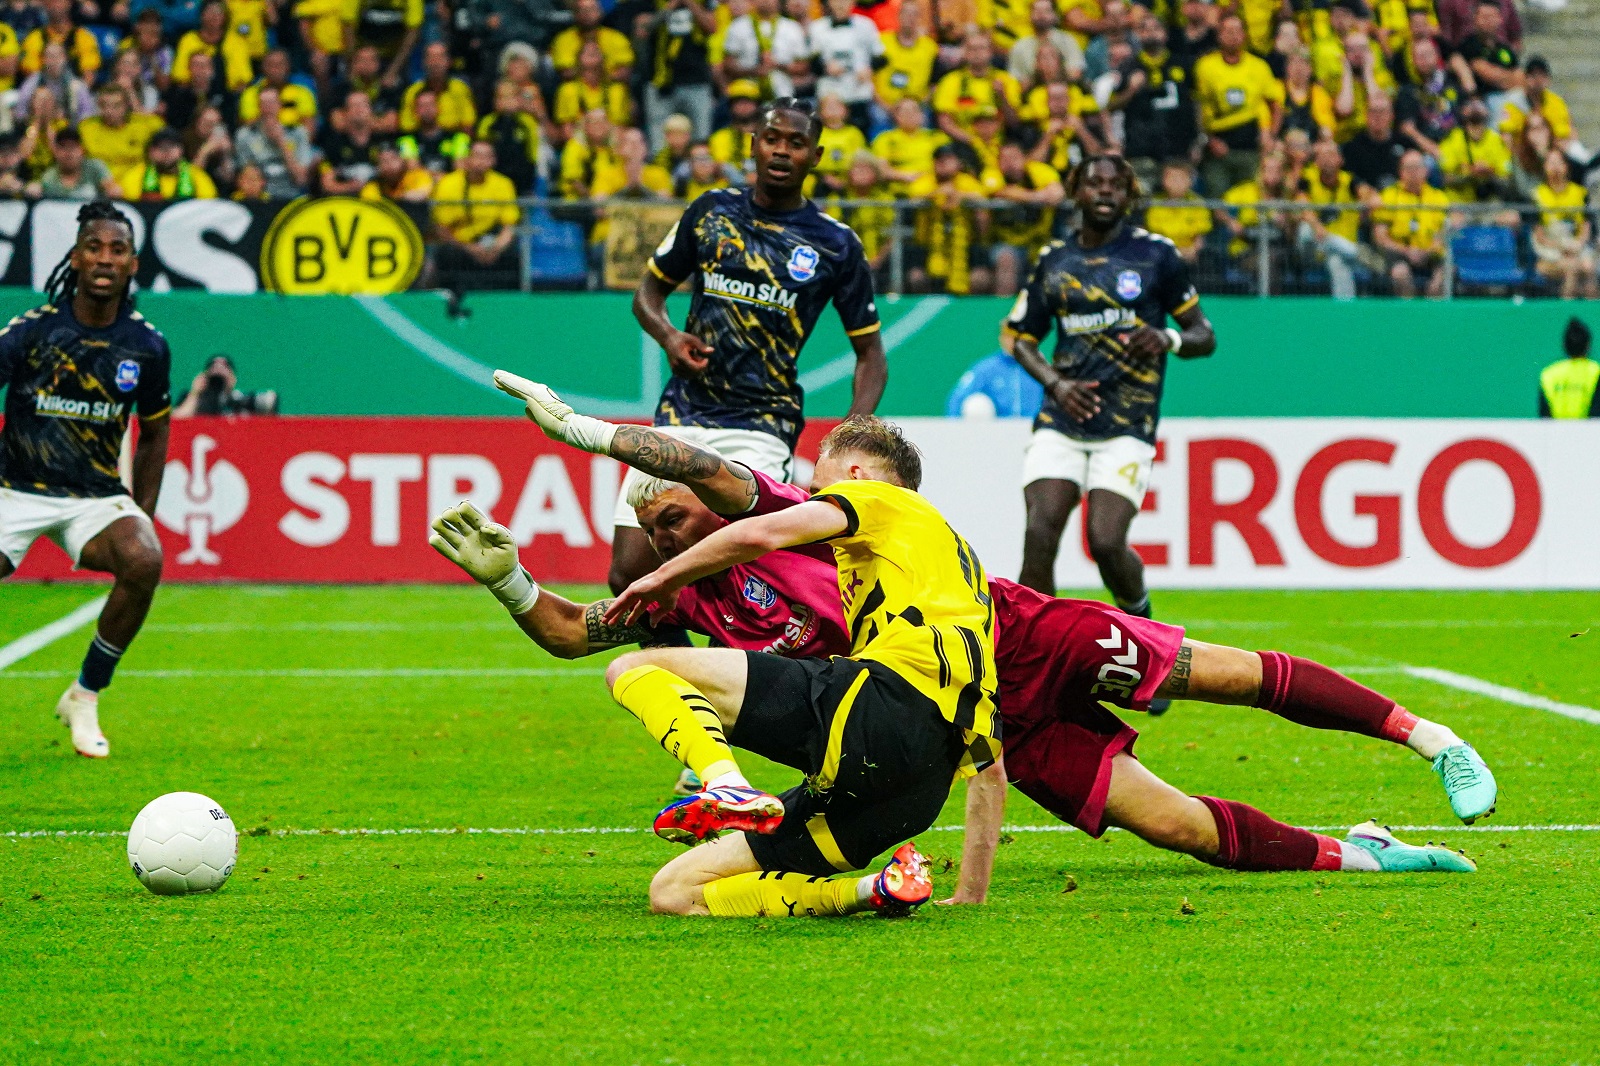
[780, 895]
[678, 716]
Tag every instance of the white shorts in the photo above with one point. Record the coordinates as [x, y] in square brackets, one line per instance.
[70, 522]
[757, 450]
[1120, 465]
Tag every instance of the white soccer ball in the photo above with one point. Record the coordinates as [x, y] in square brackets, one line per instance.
[182, 842]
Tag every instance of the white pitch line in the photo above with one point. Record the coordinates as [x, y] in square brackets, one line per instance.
[526, 831]
[29, 643]
[1480, 687]
[315, 674]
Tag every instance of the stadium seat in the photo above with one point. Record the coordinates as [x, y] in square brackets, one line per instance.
[1000, 380]
[556, 251]
[1487, 255]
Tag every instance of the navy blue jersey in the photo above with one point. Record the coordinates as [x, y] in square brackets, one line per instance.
[70, 392]
[761, 278]
[1097, 298]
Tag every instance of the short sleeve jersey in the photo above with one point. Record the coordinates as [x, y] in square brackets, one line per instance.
[1096, 298]
[761, 279]
[786, 602]
[917, 600]
[71, 390]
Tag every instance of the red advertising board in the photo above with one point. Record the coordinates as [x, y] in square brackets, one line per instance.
[349, 499]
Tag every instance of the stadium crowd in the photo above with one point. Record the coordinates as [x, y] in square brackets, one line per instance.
[1381, 117]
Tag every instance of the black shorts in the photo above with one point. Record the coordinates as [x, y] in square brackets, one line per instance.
[881, 780]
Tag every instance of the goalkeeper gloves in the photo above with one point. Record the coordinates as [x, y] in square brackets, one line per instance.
[555, 416]
[487, 552]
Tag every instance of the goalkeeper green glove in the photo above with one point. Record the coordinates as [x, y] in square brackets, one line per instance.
[487, 552]
[555, 416]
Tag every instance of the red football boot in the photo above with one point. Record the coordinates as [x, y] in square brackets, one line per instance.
[903, 885]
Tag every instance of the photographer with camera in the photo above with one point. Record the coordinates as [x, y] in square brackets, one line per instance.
[215, 391]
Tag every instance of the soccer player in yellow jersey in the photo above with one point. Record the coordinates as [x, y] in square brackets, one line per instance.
[880, 734]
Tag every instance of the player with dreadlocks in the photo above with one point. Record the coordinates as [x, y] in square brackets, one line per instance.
[764, 263]
[76, 370]
[1108, 288]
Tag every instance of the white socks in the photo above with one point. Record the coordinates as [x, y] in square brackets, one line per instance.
[731, 779]
[1430, 738]
[1355, 857]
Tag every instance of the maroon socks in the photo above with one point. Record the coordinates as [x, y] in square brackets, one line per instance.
[1310, 694]
[1249, 840]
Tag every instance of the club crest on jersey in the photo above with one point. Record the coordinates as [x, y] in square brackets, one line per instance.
[1129, 284]
[803, 263]
[127, 375]
[759, 592]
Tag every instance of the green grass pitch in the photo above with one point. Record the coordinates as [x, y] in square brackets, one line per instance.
[474, 947]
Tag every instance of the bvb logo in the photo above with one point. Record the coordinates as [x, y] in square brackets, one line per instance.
[338, 244]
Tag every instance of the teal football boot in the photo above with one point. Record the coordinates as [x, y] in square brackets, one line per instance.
[1467, 780]
[1395, 856]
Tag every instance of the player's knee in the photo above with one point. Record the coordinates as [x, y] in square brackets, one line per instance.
[1106, 546]
[671, 892]
[139, 568]
[621, 665]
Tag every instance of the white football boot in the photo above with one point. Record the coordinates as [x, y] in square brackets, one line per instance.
[79, 710]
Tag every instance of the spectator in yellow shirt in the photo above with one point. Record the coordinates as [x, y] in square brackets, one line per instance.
[249, 19]
[908, 57]
[475, 218]
[1186, 222]
[948, 226]
[975, 84]
[118, 134]
[10, 53]
[615, 47]
[1243, 216]
[214, 40]
[393, 27]
[327, 29]
[82, 49]
[586, 156]
[731, 145]
[1330, 233]
[1032, 190]
[632, 177]
[1086, 19]
[1060, 117]
[299, 103]
[1561, 239]
[837, 146]
[1408, 228]
[871, 222]
[592, 88]
[906, 151]
[704, 173]
[397, 178]
[457, 111]
[1005, 20]
[1474, 160]
[1537, 97]
[1241, 108]
[165, 174]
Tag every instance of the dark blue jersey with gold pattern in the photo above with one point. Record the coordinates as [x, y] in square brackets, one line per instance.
[70, 391]
[761, 279]
[1096, 298]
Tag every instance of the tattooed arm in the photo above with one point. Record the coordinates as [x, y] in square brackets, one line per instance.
[725, 486]
[570, 630]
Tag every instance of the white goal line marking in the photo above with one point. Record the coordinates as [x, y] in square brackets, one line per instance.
[527, 831]
[44, 636]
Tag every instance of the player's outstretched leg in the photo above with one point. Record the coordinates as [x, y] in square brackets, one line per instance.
[1110, 516]
[686, 698]
[1236, 836]
[1310, 694]
[129, 550]
[723, 879]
